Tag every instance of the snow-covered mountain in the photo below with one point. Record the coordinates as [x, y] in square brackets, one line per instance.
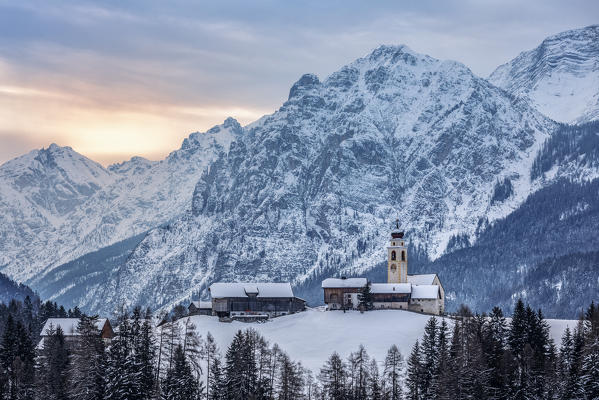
[313, 188]
[560, 77]
[56, 204]
[307, 192]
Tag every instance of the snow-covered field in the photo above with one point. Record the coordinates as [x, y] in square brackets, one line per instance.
[311, 336]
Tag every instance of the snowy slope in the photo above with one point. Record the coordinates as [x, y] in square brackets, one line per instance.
[560, 77]
[57, 205]
[312, 189]
[312, 336]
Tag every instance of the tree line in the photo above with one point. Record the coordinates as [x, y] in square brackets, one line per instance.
[468, 357]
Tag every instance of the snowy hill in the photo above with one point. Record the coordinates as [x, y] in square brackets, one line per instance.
[312, 189]
[311, 336]
[57, 205]
[560, 77]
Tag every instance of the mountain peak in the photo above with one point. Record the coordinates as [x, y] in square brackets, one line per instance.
[560, 77]
[386, 50]
[306, 83]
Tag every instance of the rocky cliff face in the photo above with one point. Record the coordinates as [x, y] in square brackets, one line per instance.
[560, 77]
[314, 187]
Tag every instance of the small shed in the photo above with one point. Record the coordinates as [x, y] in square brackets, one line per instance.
[200, 307]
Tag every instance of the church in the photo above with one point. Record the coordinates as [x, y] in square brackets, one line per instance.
[421, 293]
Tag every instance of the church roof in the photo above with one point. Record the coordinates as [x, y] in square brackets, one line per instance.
[425, 291]
[331, 283]
[240, 289]
[422, 279]
[403, 288]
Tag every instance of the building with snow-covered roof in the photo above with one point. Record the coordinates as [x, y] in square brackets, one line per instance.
[422, 293]
[199, 307]
[68, 326]
[263, 299]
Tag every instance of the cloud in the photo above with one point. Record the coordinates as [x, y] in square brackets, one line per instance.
[82, 68]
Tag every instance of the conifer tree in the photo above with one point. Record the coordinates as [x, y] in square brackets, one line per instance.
[122, 377]
[210, 353]
[358, 364]
[366, 298]
[374, 389]
[234, 369]
[414, 379]
[86, 369]
[144, 350]
[51, 367]
[291, 381]
[494, 342]
[333, 376]
[392, 374]
[441, 385]
[429, 357]
[216, 381]
[589, 379]
[180, 384]
[518, 330]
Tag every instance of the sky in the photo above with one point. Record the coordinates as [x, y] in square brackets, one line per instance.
[115, 79]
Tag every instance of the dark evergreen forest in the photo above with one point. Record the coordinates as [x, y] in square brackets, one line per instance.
[467, 356]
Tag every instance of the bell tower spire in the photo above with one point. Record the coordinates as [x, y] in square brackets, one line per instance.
[397, 257]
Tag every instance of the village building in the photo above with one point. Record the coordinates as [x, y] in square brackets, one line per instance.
[253, 301]
[422, 293]
[199, 307]
[69, 329]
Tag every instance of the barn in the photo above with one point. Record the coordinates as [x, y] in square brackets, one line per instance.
[254, 300]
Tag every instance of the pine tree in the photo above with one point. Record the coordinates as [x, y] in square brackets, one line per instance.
[180, 384]
[216, 381]
[234, 368]
[291, 382]
[122, 377]
[366, 298]
[414, 380]
[441, 385]
[16, 358]
[589, 380]
[358, 363]
[210, 353]
[333, 376]
[392, 374]
[518, 330]
[429, 357]
[51, 367]
[494, 342]
[144, 350]
[86, 369]
[374, 389]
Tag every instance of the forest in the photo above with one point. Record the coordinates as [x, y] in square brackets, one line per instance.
[467, 356]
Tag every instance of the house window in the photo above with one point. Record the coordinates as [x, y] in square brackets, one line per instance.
[403, 256]
[393, 255]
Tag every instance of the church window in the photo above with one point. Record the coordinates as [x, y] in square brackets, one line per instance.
[393, 243]
[393, 267]
[393, 255]
[403, 256]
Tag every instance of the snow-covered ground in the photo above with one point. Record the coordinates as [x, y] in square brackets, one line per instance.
[311, 336]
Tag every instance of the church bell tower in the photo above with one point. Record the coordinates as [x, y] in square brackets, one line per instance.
[397, 257]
